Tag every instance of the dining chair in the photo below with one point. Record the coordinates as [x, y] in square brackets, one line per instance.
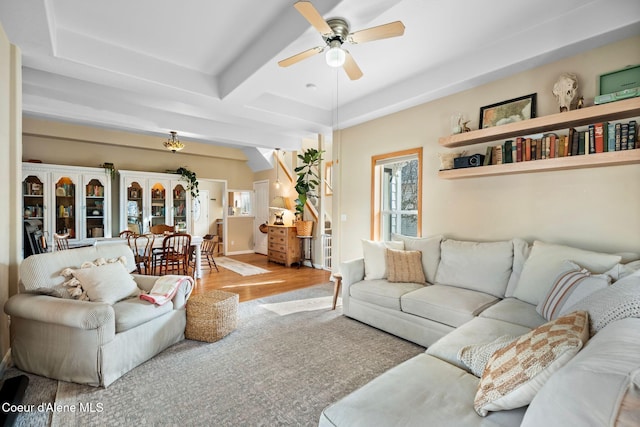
[126, 233]
[62, 241]
[162, 228]
[175, 254]
[142, 246]
[207, 251]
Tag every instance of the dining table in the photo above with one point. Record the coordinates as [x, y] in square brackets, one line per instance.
[196, 242]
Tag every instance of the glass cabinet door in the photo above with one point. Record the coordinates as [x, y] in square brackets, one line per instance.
[134, 208]
[95, 208]
[158, 204]
[65, 196]
[180, 207]
[33, 198]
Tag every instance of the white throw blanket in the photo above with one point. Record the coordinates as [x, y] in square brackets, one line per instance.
[165, 288]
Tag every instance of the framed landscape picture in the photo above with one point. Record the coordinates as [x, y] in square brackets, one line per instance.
[513, 110]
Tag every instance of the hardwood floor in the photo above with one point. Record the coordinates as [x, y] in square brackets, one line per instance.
[280, 278]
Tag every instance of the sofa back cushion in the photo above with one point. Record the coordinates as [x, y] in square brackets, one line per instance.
[484, 267]
[41, 273]
[545, 260]
[430, 248]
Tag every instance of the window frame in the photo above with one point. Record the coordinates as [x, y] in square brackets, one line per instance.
[376, 211]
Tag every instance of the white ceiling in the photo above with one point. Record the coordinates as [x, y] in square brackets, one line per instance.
[208, 69]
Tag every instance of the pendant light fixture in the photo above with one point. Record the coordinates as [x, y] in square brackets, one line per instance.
[173, 143]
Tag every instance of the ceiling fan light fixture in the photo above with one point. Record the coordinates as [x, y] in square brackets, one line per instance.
[173, 144]
[335, 56]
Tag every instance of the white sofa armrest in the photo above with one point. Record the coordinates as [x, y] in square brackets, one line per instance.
[66, 312]
[352, 272]
[179, 300]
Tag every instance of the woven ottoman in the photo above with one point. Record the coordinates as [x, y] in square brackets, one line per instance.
[211, 316]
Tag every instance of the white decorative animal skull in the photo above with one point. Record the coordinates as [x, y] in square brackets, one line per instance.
[565, 90]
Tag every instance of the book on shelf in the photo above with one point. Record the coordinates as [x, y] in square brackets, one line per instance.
[599, 132]
[519, 148]
[633, 134]
[487, 157]
[611, 137]
[624, 136]
[618, 136]
[590, 140]
[527, 149]
[507, 152]
[581, 142]
[498, 154]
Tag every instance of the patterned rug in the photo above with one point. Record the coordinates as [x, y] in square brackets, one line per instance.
[287, 360]
[239, 267]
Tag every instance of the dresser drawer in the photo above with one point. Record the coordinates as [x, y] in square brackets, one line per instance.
[277, 256]
[278, 247]
[277, 231]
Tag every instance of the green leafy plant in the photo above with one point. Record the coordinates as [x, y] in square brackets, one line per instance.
[308, 179]
[110, 169]
[192, 181]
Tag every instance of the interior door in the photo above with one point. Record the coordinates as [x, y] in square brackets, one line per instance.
[261, 209]
[201, 222]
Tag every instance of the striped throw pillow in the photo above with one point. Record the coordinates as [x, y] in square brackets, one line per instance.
[572, 285]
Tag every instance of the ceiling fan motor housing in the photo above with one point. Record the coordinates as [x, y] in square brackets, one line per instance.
[340, 29]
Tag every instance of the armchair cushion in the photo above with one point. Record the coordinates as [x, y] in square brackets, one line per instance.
[132, 312]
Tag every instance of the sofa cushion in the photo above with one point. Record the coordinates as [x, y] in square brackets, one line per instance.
[404, 266]
[593, 379]
[430, 248]
[545, 259]
[382, 292]
[133, 312]
[423, 391]
[572, 284]
[618, 301]
[513, 310]
[477, 331]
[521, 251]
[484, 267]
[515, 373]
[375, 264]
[446, 304]
[108, 283]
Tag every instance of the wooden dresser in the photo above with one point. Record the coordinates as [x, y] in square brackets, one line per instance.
[284, 246]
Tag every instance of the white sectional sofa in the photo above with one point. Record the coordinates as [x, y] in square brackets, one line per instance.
[476, 294]
[90, 342]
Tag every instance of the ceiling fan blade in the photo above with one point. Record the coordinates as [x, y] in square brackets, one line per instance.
[311, 14]
[392, 29]
[300, 56]
[351, 68]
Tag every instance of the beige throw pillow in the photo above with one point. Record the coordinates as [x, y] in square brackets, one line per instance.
[108, 283]
[405, 266]
[375, 265]
[515, 373]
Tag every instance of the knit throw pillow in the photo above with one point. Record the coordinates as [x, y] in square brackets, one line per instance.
[572, 284]
[515, 373]
[476, 356]
[405, 266]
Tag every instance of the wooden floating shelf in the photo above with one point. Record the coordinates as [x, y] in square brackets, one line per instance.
[553, 122]
[613, 158]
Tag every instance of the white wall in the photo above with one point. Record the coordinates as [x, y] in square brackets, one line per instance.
[10, 166]
[596, 208]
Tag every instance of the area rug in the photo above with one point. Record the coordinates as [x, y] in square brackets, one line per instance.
[273, 370]
[239, 267]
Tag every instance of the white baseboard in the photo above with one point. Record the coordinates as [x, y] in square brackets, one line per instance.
[241, 252]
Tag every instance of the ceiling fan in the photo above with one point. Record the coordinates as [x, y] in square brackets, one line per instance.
[335, 32]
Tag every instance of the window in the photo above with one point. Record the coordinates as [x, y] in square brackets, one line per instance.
[396, 185]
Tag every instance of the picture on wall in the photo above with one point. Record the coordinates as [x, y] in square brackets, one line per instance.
[513, 110]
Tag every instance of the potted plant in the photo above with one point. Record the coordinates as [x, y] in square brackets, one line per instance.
[192, 181]
[308, 181]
